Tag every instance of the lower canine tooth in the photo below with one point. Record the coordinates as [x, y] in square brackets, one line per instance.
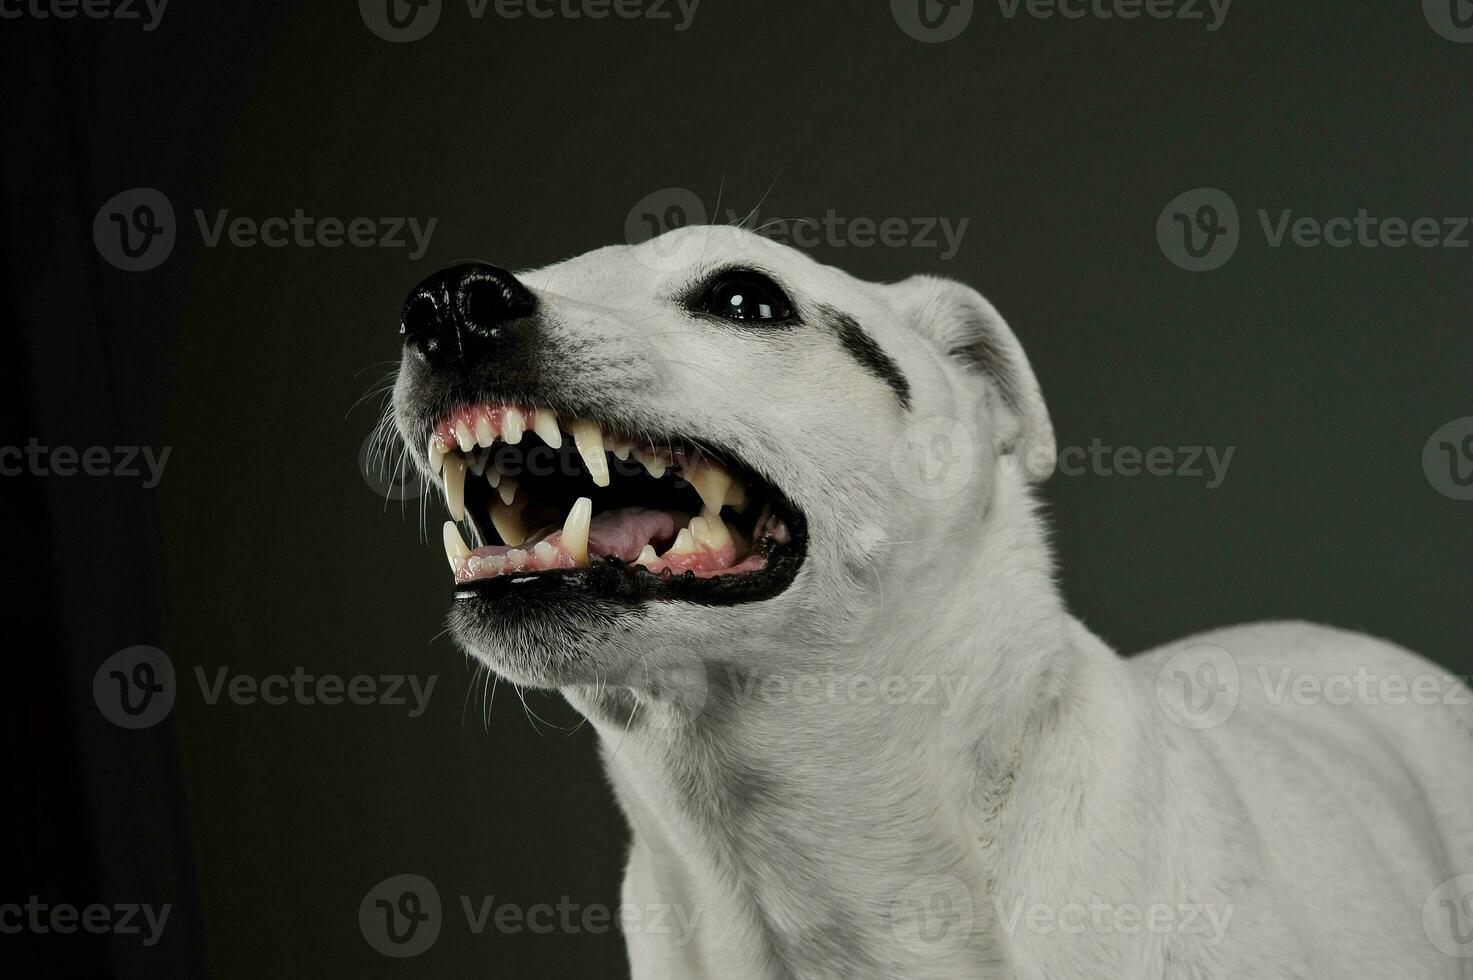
[709, 531]
[545, 425]
[589, 439]
[509, 523]
[454, 482]
[455, 547]
[575, 530]
[512, 426]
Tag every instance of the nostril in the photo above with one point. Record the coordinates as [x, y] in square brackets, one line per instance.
[486, 303]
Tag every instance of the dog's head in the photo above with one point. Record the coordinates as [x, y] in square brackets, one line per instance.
[700, 447]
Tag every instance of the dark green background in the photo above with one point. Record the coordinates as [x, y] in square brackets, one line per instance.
[1061, 141]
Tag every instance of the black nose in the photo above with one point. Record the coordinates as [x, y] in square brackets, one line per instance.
[467, 312]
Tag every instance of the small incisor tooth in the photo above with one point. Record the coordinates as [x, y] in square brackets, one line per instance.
[485, 435]
[712, 483]
[647, 556]
[463, 436]
[513, 426]
[516, 560]
[652, 461]
[589, 439]
[509, 523]
[455, 546]
[575, 530]
[545, 553]
[453, 478]
[545, 425]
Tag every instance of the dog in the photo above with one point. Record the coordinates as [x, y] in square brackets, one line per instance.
[693, 485]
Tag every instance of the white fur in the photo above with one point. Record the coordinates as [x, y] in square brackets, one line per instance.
[799, 833]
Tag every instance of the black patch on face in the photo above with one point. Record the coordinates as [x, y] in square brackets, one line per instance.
[862, 347]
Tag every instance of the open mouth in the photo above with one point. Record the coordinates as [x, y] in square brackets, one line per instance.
[566, 503]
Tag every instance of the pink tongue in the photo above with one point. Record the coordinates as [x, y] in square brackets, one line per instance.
[625, 531]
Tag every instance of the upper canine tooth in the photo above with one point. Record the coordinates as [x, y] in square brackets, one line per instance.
[464, 437]
[545, 425]
[512, 426]
[435, 454]
[485, 435]
[575, 530]
[652, 461]
[589, 439]
[712, 483]
[455, 547]
[507, 489]
[454, 480]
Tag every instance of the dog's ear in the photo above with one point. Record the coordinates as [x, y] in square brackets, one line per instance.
[967, 328]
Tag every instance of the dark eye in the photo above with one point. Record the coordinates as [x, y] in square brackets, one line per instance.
[747, 296]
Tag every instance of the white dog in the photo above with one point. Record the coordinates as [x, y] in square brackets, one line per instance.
[771, 529]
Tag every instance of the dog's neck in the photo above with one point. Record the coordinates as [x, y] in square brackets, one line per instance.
[842, 815]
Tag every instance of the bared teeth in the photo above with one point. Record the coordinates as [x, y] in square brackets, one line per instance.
[435, 454]
[455, 546]
[647, 556]
[545, 553]
[589, 439]
[453, 477]
[463, 436]
[508, 490]
[509, 523]
[516, 560]
[575, 530]
[545, 425]
[485, 435]
[712, 483]
[513, 426]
